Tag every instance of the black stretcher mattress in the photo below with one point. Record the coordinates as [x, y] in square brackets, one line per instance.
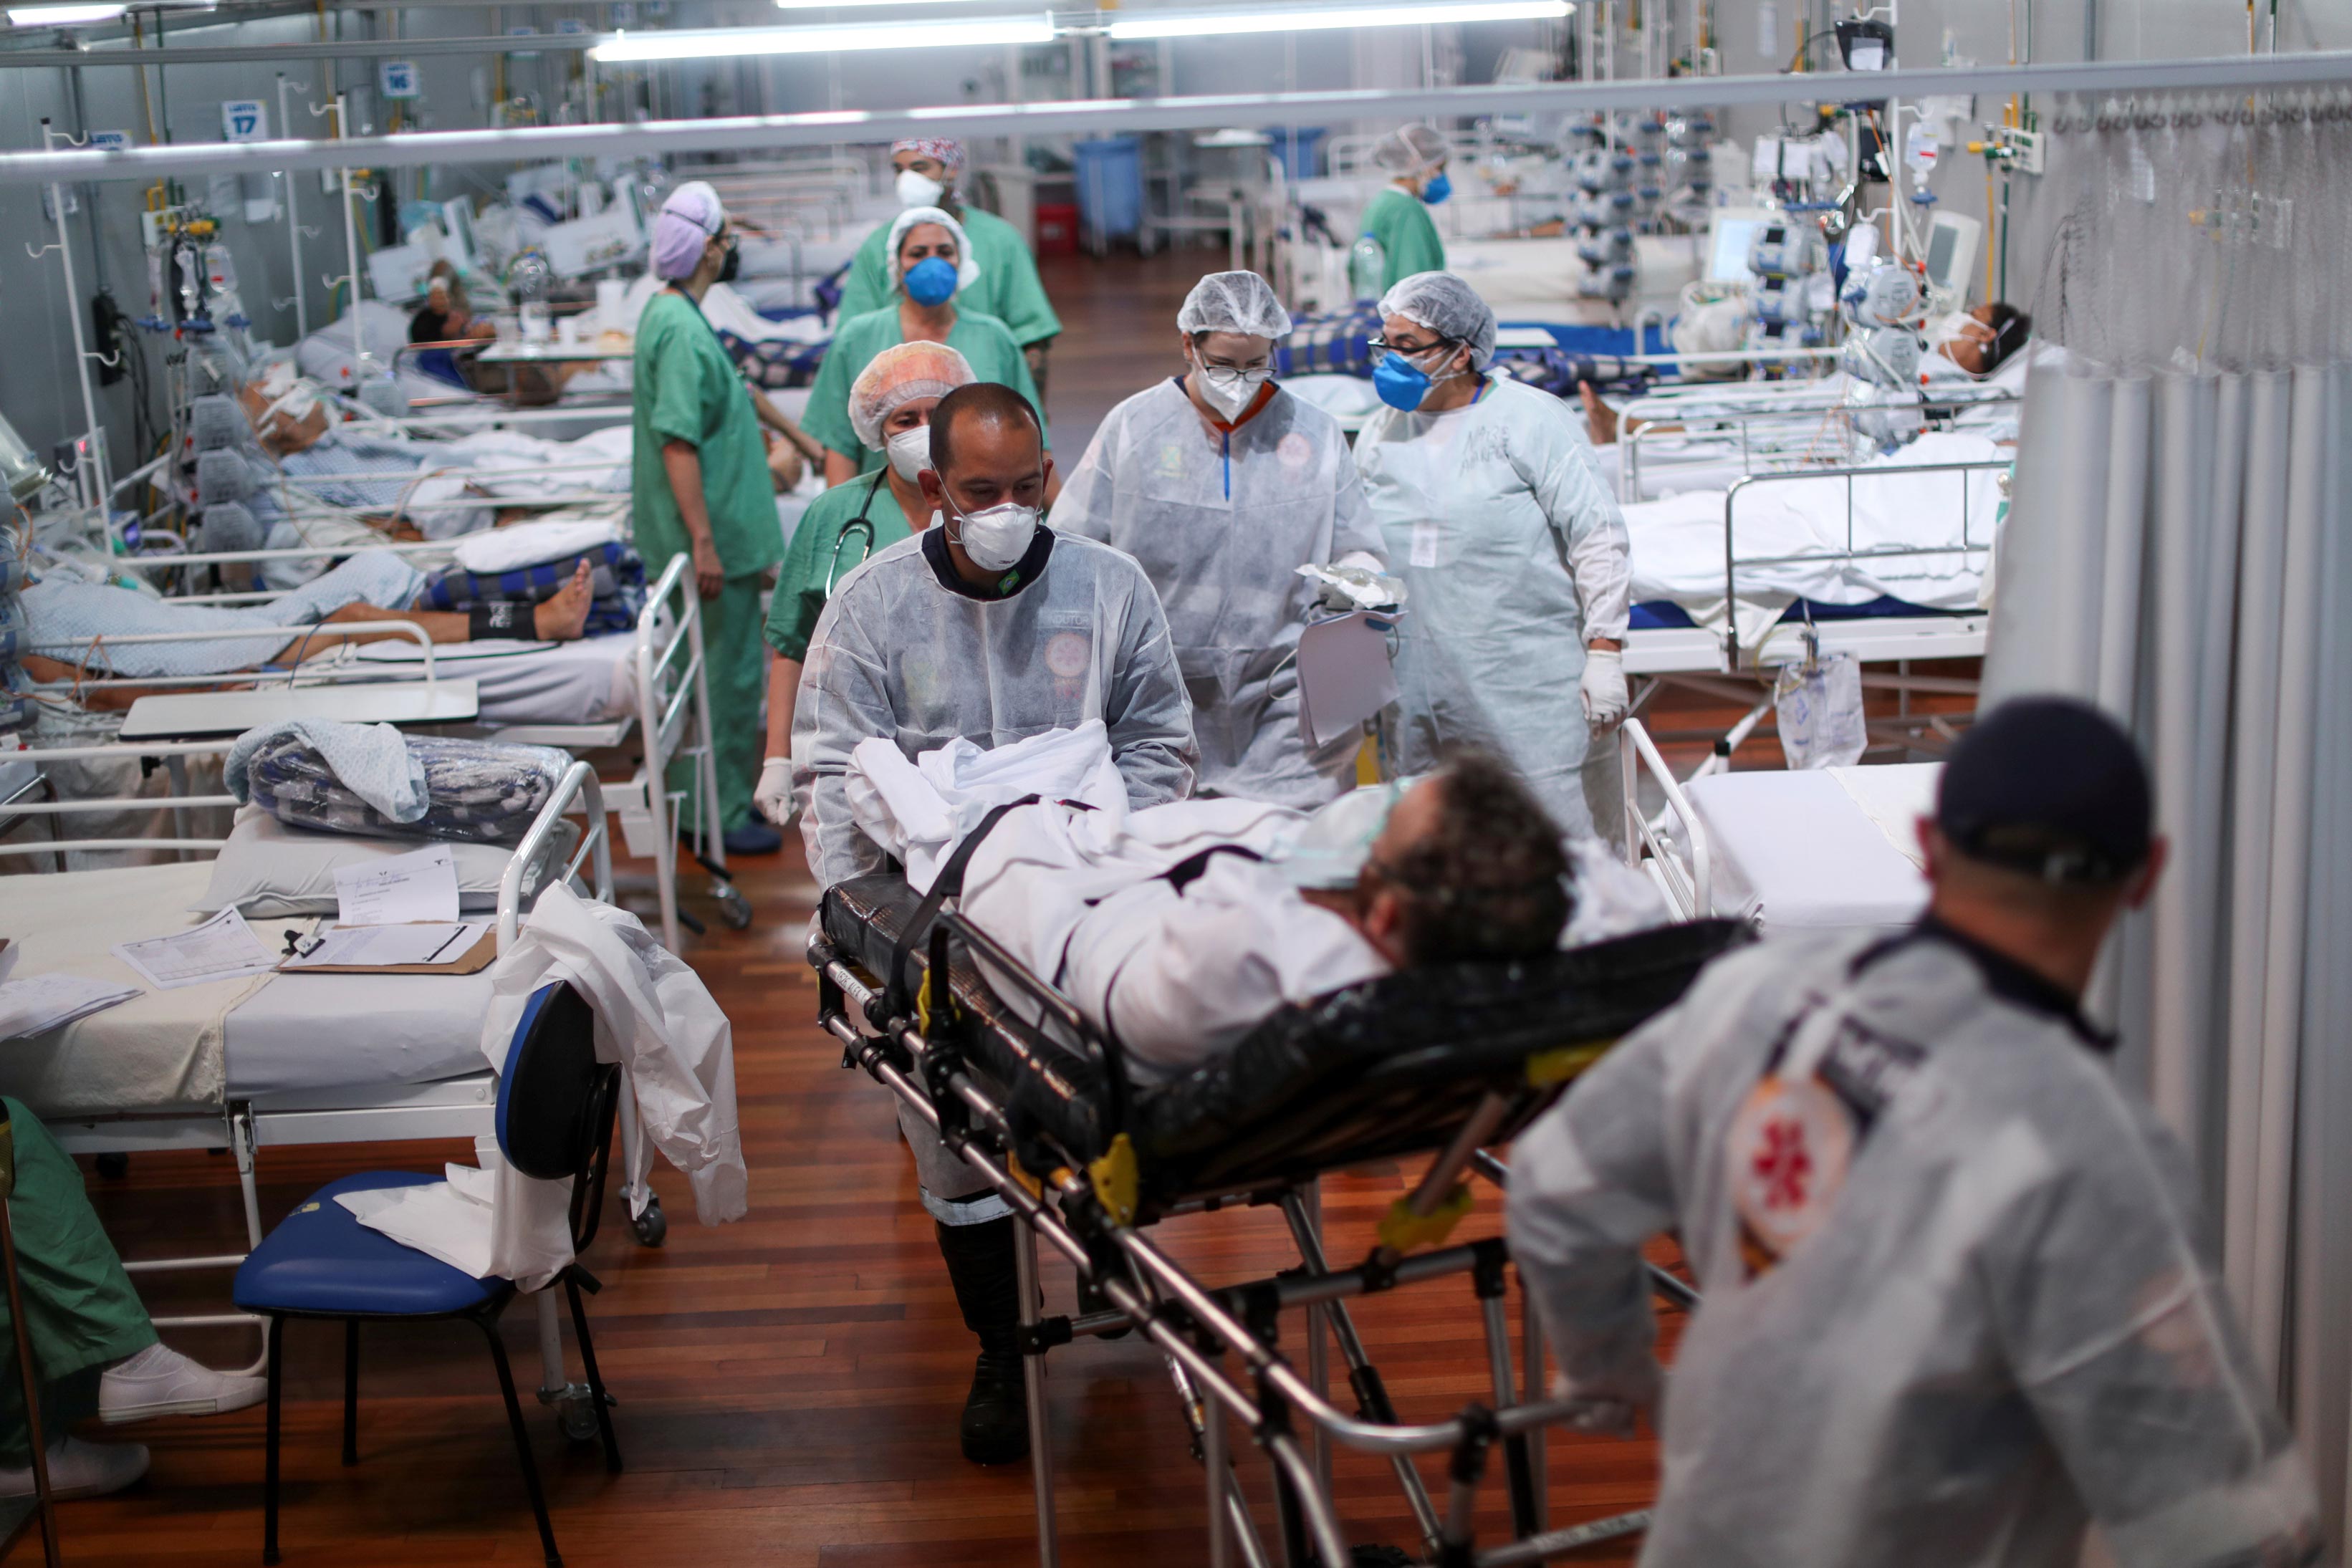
[1382, 1069]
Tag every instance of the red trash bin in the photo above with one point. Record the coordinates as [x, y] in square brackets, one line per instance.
[1057, 228]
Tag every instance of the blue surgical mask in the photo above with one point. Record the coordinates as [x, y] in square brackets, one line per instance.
[931, 281]
[1437, 190]
[1400, 383]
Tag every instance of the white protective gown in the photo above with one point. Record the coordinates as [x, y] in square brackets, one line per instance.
[898, 654]
[1515, 558]
[1221, 523]
[2001, 1330]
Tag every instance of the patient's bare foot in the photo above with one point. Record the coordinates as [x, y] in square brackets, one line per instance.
[565, 616]
[1600, 419]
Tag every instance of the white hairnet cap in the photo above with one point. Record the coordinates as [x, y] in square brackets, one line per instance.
[692, 216]
[1409, 149]
[898, 376]
[967, 268]
[1233, 302]
[1442, 303]
[1333, 844]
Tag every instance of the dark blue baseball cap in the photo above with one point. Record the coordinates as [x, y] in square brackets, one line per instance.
[2050, 787]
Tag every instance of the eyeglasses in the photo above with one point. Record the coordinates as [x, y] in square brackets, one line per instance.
[1381, 347]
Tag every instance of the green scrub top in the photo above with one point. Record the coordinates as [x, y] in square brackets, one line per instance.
[982, 341]
[800, 583]
[686, 389]
[1007, 288]
[1400, 222]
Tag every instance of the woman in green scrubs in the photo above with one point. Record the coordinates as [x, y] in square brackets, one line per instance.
[890, 405]
[699, 485]
[930, 266]
[1414, 156]
[927, 168]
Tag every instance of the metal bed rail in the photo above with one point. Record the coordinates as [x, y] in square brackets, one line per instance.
[674, 698]
[1733, 561]
[325, 674]
[1800, 417]
[1688, 886]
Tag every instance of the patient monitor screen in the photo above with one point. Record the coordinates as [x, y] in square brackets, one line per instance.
[1941, 244]
[1727, 256]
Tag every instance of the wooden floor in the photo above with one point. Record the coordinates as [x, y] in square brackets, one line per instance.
[789, 1384]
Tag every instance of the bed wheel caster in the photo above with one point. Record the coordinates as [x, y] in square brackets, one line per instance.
[577, 1416]
[114, 1165]
[652, 1227]
[733, 907]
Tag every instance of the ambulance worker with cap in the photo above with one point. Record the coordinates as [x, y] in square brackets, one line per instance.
[1955, 1303]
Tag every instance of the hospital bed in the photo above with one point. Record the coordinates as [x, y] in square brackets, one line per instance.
[275, 1061]
[1442, 1062]
[1827, 849]
[586, 695]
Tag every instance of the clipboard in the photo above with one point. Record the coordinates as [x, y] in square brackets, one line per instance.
[472, 961]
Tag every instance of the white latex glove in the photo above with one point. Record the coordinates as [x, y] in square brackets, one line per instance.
[774, 798]
[1603, 689]
[1609, 1402]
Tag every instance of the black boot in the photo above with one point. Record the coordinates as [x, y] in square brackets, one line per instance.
[995, 1430]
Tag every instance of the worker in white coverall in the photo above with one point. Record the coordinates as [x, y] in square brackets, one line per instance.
[1223, 484]
[989, 628]
[1955, 1307]
[1513, 555]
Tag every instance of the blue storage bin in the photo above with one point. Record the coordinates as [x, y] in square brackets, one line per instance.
[1110, 187]
[1298, 148]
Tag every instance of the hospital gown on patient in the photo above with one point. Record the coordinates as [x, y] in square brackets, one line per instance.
[1999, 1330]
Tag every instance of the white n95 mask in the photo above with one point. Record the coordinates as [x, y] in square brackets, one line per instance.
[998, 537]
[1229, 392]
[910, 452]
[919, 190]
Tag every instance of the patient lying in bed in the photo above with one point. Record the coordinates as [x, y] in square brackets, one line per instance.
[1182, 961]
[70, 620]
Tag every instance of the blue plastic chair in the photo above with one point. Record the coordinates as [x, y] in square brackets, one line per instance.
[555, 1112]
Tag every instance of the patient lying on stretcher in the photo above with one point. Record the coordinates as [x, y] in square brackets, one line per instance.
[70, 619]
[1180, 959]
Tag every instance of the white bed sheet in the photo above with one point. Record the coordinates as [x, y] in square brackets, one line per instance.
[160, 1050]
[590, 680]
[187, 1049]
[1802, 852]
[355, 1031]
[1678, 543]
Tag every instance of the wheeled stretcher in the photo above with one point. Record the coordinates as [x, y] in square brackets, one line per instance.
[1447, 1060]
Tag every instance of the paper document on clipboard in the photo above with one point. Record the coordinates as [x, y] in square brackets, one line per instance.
[428, 946]
[1344, 673]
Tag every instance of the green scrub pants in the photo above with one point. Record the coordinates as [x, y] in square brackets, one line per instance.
[735, 663]
[81, 1310]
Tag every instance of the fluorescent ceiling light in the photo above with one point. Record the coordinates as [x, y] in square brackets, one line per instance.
[714, 43]
[1310, 18]
[858, 4]
[73, 16]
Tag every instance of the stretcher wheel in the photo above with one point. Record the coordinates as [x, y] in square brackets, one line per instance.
[576, 1414]
[652, 1226]
[114, 1165]
[733, 907]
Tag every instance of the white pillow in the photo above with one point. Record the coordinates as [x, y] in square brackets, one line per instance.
[270, 870]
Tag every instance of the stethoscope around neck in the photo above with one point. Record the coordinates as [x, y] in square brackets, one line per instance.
[861, 523]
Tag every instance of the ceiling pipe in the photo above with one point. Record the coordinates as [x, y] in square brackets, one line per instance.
[773, 132]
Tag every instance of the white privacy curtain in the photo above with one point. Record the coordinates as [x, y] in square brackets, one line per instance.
[2178, 550]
